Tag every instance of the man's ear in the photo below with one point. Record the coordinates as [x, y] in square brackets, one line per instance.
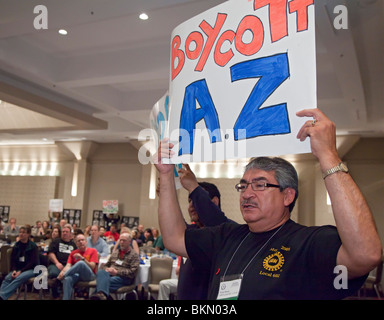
[289, 196]
[215, 200]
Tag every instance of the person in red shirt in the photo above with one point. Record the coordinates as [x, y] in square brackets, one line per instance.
[81, 266]
[112, 234]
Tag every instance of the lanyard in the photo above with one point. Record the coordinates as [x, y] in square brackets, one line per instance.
[262, 247]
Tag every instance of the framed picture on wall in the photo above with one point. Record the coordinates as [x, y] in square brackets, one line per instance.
[4, 213]
[130, 222]
[97, 218]
[73, 216]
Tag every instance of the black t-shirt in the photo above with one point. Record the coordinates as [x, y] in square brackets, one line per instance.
[295, 262]
[62, 249]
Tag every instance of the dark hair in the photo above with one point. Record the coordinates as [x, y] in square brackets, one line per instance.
[212, 190]
[285, 173]
[77, 232]
[26, 228]
[58, 229]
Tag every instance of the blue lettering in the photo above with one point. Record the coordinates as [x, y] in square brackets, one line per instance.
[272, 120]
[190, 115]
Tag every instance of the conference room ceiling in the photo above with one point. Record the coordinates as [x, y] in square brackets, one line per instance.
[100, 81]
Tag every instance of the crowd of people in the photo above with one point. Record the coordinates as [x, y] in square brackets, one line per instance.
[72, 254]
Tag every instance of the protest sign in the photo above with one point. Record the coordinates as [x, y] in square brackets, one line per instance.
[239, 73]
[56, 205]
[160, 127]
[110, 206]
[159, 118]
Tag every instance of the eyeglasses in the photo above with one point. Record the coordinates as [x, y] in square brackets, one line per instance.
[256, 186]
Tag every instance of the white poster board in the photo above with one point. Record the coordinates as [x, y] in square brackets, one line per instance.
[56, 205]
[239, 73]
[159, 118]
[160, 127]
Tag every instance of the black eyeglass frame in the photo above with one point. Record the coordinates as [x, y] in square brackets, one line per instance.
[258, 183]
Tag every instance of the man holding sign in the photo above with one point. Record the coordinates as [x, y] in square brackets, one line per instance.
[272, 257]
[239, 73]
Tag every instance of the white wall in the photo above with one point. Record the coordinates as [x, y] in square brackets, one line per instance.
[28, 197]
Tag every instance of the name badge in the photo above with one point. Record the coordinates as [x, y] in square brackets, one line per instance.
[230, 287]
[119, 262]
[22, 259]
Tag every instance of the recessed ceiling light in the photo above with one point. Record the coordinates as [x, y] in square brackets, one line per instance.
[63, 32]
[143, 16]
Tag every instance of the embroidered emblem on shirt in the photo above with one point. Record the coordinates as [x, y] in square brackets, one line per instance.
[274, 261]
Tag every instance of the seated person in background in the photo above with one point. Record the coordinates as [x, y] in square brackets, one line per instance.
[140, 237]
[81, 266]
[37, 230]
[87, 231]
[48, 238]
[24, 259]
[135, 236]
[45, 226]
[11, 228]
[58, 253]
[56, 233]
[94, 241]
[63, 222]
[133, 243]
[112, 234]
[148, 236]
[119, 271]
[158, 240]
[102, 233]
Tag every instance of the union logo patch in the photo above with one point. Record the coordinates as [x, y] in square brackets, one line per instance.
[274, 261]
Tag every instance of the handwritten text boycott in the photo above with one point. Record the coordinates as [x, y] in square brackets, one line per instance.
[195, 47]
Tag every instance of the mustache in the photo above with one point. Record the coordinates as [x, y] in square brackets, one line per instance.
[248, 202]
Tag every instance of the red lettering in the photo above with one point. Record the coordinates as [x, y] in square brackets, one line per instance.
[212, 34]
[301, 9]
[179, 54]
[222, 58]
[277, 17]
[197, 38]
[253, 24]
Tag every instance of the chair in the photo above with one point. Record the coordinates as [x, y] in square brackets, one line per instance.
[160, 269]
[149, 250]
[37, 239]
[90, 285]
[8, 257]
[120, 293]
[24, 286]
[374, 280]
[4, 266]
[12, 237]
